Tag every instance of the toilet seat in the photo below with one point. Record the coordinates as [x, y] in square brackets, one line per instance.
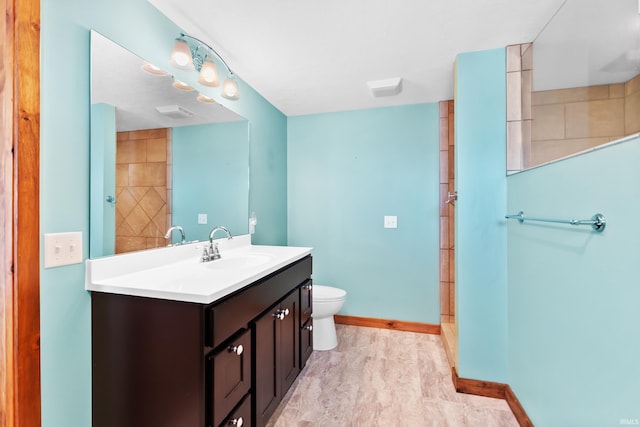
[323, 293]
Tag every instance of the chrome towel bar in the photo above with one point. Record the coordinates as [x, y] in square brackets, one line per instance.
[597, 221]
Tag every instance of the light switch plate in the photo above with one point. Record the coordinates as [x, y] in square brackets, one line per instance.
[202, 218]
[62, 249]
[390, 221]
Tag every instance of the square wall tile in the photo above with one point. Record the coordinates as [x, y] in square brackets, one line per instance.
[444, 134]
[444, 298]
[444, 265]
[513, 58]
[444, 167]
[595, 118]
[444, 233]
[632, 113]
[514, 96]
[548, 122]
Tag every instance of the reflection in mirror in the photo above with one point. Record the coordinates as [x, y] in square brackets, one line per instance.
[585, 88]
[160, 156]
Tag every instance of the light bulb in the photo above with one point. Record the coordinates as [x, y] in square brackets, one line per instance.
[181, 85]
[208, 74]
[181, 56]
[230, 89]
[205, 99]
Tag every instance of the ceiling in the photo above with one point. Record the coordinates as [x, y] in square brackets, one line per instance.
[313, 57]
[309, 57]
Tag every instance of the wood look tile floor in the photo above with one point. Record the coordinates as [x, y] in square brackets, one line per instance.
[380, 377]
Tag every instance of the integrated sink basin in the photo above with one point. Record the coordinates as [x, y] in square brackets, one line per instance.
[240, 261]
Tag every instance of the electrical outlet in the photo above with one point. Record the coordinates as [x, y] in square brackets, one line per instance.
[391, 221]
[62, 249]
[202, 218]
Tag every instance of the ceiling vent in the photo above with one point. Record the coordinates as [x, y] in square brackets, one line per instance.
[387, 87]
[175, 111]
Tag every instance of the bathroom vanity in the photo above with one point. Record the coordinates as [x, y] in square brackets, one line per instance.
[208, 345]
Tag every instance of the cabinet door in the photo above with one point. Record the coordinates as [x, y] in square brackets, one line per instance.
[267, 383]
[231, 370]
[288, 342]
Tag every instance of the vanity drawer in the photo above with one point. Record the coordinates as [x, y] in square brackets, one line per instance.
[241, 416]
[235, 312]
[306, 342]
[306, 301]
[228, 372]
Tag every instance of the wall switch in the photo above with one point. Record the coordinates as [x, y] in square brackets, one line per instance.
[62, 249]
[391, 221]
[202, 218]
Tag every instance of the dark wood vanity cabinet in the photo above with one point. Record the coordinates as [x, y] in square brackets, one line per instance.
[178, 364]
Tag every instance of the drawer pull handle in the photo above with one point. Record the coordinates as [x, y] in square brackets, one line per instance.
[236, 422]
[237, 349]
[309, 328]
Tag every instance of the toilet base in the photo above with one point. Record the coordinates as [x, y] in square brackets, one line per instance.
[324, 334]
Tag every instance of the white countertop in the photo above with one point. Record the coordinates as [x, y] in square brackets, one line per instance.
[176, 273]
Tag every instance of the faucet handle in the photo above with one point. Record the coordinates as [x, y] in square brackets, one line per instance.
[215, 254]
[205, 254]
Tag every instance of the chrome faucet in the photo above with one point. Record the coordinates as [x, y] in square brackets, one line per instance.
[180, 229]
[212, 252]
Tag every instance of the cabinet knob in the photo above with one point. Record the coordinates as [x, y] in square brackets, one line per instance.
[307, 287]
[237, 349]
[280, 313]
[236, 422]
[309, 328]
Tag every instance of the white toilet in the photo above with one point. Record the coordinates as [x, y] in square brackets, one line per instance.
[327, 301]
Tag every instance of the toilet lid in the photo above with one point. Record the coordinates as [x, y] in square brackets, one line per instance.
[328, 293]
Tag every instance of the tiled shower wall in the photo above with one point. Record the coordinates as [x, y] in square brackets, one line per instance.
[567, 121]
[519, 114]
[143, 189]
[547, 125]
[447, 185]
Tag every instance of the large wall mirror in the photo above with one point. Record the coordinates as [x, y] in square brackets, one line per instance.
[580, 83]
[161, 155]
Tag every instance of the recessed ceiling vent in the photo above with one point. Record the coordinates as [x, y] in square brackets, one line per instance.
[175, 111]
[387, 87]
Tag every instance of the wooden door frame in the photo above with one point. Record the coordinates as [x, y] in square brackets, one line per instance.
[20, 214]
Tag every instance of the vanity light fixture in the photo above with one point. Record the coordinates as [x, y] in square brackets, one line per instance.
[208, 74]
[230, 89]
[191, 53]
[178, 84]
[181, 56]
[152, 69]
[205, 99]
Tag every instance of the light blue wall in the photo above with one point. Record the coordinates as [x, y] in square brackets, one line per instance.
[574, 299]
[346, 172]
[103, 179]
[480, 232]
[65, 112]
[210, 176]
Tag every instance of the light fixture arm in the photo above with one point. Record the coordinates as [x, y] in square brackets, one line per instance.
[209, 48]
